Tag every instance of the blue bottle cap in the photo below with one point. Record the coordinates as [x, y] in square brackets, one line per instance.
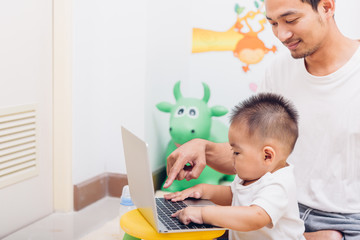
[125, 197]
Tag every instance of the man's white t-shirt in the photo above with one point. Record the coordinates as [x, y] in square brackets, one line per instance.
[276, 194]
[327, 152]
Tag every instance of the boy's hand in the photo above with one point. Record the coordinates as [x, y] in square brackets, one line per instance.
[189, 214]
[193, 192]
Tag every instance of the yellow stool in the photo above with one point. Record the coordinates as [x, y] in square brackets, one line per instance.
[135, 225]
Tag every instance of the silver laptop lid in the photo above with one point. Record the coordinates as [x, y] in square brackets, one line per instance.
[139, 176]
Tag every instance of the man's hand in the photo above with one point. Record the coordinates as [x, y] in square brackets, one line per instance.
[189, 214]
[191, 153]
[324, 235]
[193, 192]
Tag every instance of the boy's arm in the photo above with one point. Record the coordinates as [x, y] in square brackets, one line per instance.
[245, 218]
[218, 194]
[274, 198]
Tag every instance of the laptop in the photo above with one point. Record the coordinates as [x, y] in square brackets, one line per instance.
[157, 211]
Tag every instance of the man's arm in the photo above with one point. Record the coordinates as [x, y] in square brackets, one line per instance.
[219, 156]
[197, 153]
[324, 235]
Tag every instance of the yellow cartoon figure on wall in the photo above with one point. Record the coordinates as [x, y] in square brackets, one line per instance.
[245, 44]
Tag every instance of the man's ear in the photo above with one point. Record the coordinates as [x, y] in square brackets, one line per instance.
[269, 155]
[328, 6]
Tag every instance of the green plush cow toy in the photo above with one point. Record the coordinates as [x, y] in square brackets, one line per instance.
[192, 118]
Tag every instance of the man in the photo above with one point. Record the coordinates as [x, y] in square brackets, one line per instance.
[323, 80]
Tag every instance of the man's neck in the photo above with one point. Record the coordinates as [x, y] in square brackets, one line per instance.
[334, 53]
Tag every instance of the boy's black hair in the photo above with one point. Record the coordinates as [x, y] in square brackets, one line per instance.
[270, 116]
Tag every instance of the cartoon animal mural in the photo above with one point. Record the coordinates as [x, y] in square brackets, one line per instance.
[250, 49]
[245, 45]
[192, 118]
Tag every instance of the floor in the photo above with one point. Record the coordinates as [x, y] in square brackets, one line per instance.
[97, 221]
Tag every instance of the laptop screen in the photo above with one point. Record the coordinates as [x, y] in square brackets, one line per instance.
[139, 175]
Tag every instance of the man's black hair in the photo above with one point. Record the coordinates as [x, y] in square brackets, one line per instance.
[314, 4]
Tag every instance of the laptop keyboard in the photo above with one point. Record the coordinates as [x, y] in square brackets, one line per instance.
[165, 208]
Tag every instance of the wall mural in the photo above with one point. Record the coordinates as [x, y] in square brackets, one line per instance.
[241, 38]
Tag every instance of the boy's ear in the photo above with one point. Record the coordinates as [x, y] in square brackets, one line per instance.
[269, 154]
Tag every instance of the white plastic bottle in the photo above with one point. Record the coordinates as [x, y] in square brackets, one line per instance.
[126, 204]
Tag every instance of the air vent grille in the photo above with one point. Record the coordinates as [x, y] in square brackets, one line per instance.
[17, 144]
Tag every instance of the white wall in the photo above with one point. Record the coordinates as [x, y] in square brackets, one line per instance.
[348, 18]
[109, 82]
[169, 48]
[127, 57]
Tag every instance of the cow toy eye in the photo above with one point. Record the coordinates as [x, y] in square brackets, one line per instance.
[180, 111]
[193, 112]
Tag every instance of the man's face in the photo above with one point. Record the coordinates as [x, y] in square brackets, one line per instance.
[301, 29]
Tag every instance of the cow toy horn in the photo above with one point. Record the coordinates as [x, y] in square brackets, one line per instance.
[206, 93]
[177, 92]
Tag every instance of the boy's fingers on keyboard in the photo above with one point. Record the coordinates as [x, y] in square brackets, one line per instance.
[195, 195]
[176, 214]
[179, 196]
[174, 197]
[169, 196]
[184, 218]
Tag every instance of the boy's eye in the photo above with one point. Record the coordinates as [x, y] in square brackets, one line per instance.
[236, 153]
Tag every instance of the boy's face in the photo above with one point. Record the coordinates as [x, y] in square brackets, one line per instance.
[301, 29]
[248, 156]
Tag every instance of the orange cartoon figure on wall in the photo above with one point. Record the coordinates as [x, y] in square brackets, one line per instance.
[246, 46]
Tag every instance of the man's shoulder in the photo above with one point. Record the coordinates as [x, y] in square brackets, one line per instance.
[282, 68]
